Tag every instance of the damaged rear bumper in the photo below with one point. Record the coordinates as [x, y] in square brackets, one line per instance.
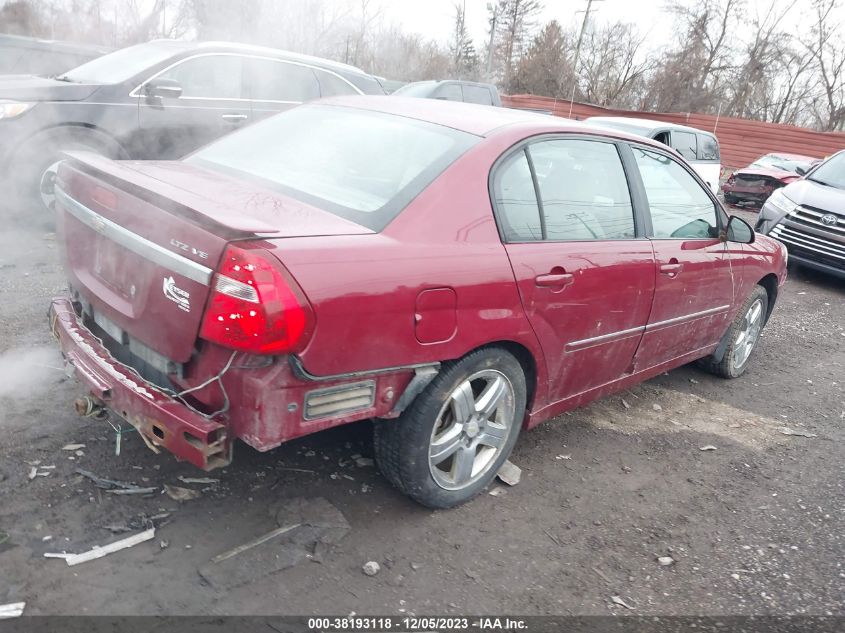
[162, 420]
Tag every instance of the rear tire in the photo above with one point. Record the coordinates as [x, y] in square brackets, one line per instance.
[731, 199]
[743, 336]
[44, 150]
[448, 445]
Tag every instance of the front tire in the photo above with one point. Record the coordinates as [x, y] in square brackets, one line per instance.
[448, 445]
[743, 335]
[42, 153]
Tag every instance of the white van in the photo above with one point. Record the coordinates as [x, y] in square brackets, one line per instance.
[700, 149]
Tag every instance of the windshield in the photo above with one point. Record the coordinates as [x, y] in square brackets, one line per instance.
[363, 166]
[121, 65]
[831, 172]
[796, 166]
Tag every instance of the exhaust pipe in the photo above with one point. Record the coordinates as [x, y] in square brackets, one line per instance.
[88, 407]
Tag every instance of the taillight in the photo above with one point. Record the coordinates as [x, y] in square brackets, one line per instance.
[255, 306]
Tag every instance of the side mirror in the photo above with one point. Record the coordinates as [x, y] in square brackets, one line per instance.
[740, 231]
[159, 88]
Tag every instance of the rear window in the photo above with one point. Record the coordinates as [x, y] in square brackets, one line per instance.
[363, 166]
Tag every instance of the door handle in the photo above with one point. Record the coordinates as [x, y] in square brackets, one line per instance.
[672, 268]
[554, 280]
[234, 118]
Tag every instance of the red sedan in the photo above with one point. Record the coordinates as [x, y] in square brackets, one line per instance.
[756, 182]
[455, 272]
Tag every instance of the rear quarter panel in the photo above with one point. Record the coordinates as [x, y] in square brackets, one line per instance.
[365, 288]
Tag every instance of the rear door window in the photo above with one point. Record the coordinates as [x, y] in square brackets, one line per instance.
[333, 86]
[583, 190]
[272, 80]
[685, 144]
[516, 200]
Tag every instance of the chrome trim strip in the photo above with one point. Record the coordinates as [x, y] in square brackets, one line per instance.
[136, 94]
[687, 317]
[827, 240]
[134, 242]
[801, 242]
[300, 371]
[574, 346]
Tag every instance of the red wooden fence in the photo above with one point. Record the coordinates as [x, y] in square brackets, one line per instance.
[741, 140]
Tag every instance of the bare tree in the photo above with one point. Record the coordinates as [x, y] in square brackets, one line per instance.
[461, 47]
[612, 67]
[513, 29]
[691, 76]
[828, 52]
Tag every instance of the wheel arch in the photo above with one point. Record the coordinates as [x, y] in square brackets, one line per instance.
[526, 360]
[76, 126]
[770, 285]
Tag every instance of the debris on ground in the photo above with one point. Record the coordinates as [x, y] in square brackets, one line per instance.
[787, 431]
[625, 404]
[198, 480]
[371, 568]
[510, 473]
[563, 456]
[163, 544]
[134, 491]
[99, 552]
[317, 525]
[620, 602]
[113, 485]
[364, 462]
[254, 543]
[178, 493]
[32, 473]
[665, 561]
[657, 407]
[12, 610]
[138, 522]
[709, 447]
[73, 447]
[498, 491]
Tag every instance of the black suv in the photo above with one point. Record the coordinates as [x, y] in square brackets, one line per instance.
[808, 216]
[161, 100]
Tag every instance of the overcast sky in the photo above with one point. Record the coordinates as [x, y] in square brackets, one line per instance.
[433, 18]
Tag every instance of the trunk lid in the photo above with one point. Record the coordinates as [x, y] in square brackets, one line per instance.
[141, 242]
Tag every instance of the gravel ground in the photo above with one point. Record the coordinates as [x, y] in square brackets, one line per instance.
[753, 527]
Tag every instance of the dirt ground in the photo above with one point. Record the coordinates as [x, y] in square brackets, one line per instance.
[756, 526]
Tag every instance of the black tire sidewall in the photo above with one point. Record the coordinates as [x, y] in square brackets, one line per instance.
[44, 149]
[420, 418]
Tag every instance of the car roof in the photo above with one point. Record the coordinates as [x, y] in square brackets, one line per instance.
[644, 124]
[479, 120]
[236, 47]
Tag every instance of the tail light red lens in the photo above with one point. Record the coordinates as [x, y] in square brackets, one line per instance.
[255, 306]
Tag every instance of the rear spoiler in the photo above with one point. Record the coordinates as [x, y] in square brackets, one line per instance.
[184, 203]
